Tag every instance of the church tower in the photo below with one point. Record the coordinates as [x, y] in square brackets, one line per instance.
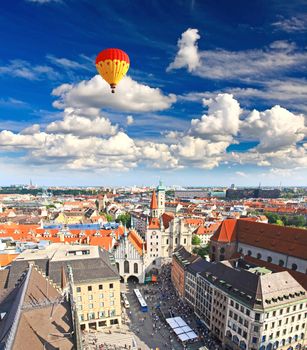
[154, 213]
[161, 199]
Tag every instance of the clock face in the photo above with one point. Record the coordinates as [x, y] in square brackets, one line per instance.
[153, 232]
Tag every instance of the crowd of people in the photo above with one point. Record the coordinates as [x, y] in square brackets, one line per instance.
[165, 303]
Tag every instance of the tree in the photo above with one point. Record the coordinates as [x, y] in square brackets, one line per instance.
[279, 222]
[196, 240]
[109, 217]
[202, 251]
[125, 219]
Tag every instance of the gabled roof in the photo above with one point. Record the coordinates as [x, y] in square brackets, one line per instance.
[226, 232]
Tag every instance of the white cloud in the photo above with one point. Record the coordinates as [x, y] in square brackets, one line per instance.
[243, 65]
[241, 173]
[187, 55]
[80, 125]
[26, 70]
[129, 120]
[31, 130]
[275, 129]
[222, 121]
[70, 64]
[130, 96]
[291, 25]
[84, 139]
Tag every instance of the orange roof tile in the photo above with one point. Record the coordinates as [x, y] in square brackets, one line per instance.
[226, 232]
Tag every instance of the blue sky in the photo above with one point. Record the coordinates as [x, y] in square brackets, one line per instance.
[216, 93]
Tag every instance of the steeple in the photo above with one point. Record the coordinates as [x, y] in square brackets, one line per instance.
[154, 205]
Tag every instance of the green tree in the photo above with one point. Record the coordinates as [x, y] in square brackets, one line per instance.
[279, 222]
[202, 250]
[196, 240]
[109, 217]
[125, 219]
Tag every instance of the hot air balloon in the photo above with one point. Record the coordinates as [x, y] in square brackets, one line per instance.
[112, 65]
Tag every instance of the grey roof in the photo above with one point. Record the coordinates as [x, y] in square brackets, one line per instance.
[254, 289]
[85, 269]
[198, 266]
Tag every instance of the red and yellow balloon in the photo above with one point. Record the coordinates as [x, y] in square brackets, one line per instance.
[112, 65]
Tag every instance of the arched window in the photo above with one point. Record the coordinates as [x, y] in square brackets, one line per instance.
[281, 263]
[242, 345]
[289, 340]
[222, 250]
[126, 266]
[135, 268]
[283, 342]
[275, 346]
[294, 267]
[269, 346]
[269, 259]
[258, 256]
[235, 339]
[295, 338]
[302, 335]
[228, 334]
[249, 253]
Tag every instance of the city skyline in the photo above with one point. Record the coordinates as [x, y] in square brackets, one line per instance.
[215, 95]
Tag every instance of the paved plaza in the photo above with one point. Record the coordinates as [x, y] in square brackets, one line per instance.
[149, 330]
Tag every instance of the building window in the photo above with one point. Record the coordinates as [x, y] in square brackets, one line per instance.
[222, 250]
[78, 289]
[112, 312]
[269, 259]
[91, 315]
[90, 306]
[167, 241]
[258, 256]
[185, 241]
[294, 267]
[81, 318]
[249, 253]
[135, 268]
[90, 297]
[100, 296]
[111, 302]
[111, 285]
[111, 295]
[101, 304]
[89, 288]
[100, 286]
[79, 298]
[281, 263]
[126, 266]
[101, 314]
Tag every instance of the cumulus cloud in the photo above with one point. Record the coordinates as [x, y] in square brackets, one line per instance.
[129, 120]
[84, 139]
[130, 96]
[81, 125]
[275, 129]
[187, 55]
[222, 121]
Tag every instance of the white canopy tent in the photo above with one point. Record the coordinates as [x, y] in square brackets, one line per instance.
[183, 331]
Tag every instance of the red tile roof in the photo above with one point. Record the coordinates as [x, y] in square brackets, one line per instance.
[226, 232]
